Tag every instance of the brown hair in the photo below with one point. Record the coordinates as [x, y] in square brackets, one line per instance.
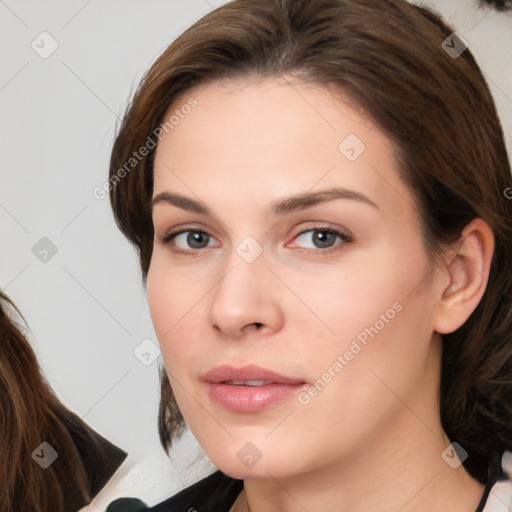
[388, 56]
[31, 414]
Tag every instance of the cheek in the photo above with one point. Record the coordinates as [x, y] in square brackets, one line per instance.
[160, 300]
[390, 326]
[375, 312]
[171, 291]
[176, 299]
[166, 299]
[351, 296]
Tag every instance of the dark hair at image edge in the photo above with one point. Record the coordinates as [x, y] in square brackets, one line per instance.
[387, 57]
[500, 5]
[30, 413]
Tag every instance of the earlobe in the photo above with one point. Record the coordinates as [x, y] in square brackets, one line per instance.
[469, 273]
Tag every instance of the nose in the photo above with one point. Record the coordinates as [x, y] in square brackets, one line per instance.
[246, 300]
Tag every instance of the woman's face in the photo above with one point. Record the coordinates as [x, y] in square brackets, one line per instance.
[339, 283]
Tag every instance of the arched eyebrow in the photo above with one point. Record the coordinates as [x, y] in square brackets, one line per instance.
[308, 199]
[281, 206]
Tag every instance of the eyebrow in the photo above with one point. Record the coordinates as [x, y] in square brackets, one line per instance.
[280, 207]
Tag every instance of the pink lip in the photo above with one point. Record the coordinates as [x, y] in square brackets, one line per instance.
[249, 398]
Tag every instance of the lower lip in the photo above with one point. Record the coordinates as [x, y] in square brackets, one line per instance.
[251, 398]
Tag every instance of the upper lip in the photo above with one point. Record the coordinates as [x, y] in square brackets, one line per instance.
[226, 373]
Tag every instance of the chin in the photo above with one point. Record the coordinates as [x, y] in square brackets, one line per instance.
[237, 463]
[259, 470]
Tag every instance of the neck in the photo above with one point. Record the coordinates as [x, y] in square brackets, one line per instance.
[390, 473]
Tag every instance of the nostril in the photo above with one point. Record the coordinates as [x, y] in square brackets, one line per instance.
[255, 326]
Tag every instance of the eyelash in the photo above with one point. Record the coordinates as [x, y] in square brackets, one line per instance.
[346, 239]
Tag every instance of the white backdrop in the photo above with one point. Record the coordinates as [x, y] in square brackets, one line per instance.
[67, 69]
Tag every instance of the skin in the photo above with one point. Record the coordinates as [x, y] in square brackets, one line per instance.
[371, 439]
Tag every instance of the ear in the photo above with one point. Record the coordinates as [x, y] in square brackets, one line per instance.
[468, 268]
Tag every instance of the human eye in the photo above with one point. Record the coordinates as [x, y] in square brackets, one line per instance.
[322, 239]
[187, 241]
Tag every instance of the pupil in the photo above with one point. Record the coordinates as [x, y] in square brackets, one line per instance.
[195, 237]
[323, 238]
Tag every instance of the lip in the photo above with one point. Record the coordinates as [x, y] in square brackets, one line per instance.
[250, 372]
[249, 398]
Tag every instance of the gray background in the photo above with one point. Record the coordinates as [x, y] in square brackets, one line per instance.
[85, 304]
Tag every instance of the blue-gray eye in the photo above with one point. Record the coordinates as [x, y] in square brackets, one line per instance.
[191, 239]
[322, 238]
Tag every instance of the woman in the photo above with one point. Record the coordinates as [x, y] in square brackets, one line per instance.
[316, 190]
[50, 460]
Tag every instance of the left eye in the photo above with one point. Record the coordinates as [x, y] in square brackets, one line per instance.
[322, 238]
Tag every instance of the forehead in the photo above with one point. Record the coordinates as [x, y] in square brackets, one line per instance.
[251, 135]
[275, 109]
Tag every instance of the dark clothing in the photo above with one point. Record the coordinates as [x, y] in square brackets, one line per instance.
[101, 459]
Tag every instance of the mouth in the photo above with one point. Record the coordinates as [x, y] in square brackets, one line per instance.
[249, 389]
[248, 383]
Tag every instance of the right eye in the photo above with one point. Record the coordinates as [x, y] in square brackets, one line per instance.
[187, 241]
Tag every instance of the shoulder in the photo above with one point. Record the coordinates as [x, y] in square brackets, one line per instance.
[100, 458]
